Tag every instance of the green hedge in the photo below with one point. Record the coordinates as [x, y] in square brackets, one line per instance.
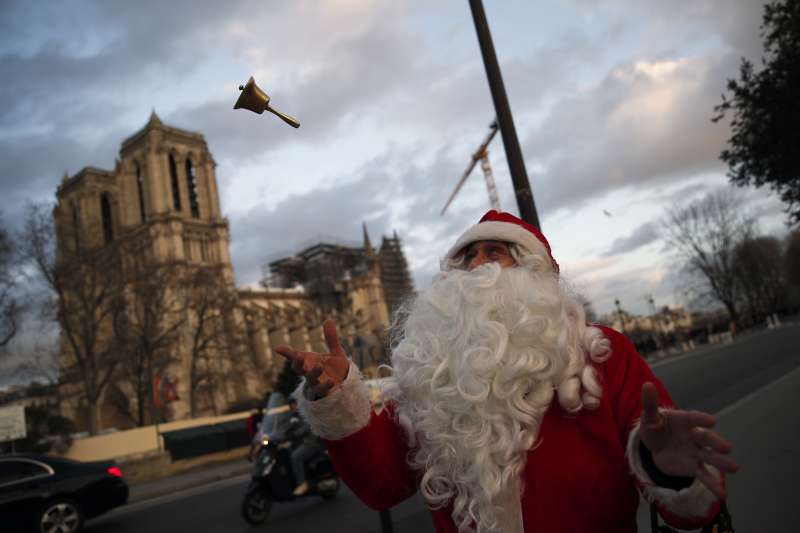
[202, 440]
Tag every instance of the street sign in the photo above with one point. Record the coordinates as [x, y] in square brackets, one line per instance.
[12, 423]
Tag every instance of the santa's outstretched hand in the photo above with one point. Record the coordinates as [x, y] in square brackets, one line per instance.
[682, 443]
[323, 371]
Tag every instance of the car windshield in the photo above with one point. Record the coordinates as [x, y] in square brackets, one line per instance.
[276, 417]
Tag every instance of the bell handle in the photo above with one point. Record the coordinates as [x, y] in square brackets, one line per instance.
[290, 120]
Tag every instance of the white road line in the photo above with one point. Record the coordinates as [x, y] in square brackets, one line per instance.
[692, 353]
[753, 395]
[166, 498]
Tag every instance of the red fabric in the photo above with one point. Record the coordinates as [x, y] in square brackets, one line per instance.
[576, 477]
[502, 216]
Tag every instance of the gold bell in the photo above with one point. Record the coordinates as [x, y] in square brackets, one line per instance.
[257, 101]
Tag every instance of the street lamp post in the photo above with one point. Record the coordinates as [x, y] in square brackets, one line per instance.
[516, 165]
[655, 319]
[619, 313]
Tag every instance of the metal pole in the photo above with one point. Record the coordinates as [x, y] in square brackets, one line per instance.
[386, 521]
[516, 165]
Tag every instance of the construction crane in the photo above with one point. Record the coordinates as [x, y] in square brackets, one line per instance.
[482, 155]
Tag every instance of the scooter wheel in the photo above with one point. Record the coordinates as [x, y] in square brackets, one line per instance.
[330, 493]
[256, 507]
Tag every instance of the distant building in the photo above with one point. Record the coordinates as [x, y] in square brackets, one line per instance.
[30, 395]
[356, 286]
[669, 326]
[158, 212]
[670, 329]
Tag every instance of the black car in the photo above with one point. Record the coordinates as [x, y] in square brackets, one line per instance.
[46, 494]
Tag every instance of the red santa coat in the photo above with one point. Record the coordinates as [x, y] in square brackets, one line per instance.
[581, 476]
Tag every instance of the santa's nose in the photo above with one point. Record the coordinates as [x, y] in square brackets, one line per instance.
[479, 259]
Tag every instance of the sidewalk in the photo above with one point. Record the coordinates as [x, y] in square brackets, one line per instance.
[187, 480]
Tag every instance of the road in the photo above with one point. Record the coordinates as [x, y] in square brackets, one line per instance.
[752, 384]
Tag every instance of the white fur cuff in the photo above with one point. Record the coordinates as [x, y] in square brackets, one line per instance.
[498, 231]
[694, 501]
[342, 412]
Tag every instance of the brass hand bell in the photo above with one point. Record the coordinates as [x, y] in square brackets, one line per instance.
[257, 101]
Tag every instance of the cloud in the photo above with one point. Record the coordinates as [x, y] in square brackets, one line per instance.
[262, 235]
[391, 192]
[336, 95]
[646, 122]
[610, 98]
[631, 286]
[641, 236]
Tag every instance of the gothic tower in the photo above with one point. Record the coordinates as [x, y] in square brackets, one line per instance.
[160, 207]
[168, 185]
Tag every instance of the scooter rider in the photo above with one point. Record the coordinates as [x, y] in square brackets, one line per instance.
[305, 445]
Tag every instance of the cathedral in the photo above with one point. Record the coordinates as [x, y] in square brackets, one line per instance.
[172, 336]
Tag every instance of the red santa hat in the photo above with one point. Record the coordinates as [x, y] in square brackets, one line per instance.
[499, 226]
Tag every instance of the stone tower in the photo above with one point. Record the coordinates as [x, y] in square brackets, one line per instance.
[160, 205]
[167, 184]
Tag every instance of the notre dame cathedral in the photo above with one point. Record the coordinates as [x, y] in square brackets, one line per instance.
[176, 338]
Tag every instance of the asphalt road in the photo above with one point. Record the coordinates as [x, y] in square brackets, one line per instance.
[753, 385]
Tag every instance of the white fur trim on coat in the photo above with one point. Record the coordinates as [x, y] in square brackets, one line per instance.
[692, 502]
[340, 413]
[498, 231]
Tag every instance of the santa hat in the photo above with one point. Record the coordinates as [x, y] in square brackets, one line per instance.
[499, 226]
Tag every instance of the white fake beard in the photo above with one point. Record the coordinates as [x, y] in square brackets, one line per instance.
[477, 364]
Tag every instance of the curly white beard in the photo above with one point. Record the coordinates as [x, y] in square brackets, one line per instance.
[477, 363]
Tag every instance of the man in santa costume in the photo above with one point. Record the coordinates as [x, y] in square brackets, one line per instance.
[508, 411]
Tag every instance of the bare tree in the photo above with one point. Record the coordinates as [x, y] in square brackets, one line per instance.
[10, 308]
[40, 365]
[759, 273]
[216, 345]
[703, 235]
[85, 295]
[148, 330]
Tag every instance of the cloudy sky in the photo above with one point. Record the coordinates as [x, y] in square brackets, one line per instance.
[612, 101]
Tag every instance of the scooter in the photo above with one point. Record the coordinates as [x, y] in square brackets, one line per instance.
[273, 479]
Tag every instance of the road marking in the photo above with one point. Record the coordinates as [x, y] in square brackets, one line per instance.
[690, 353]
[167, 498]
[750, 397]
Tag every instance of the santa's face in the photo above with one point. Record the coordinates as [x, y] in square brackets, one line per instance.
[482, 252]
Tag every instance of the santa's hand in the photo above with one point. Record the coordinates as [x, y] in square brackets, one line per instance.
[323, 371]
[682, 444]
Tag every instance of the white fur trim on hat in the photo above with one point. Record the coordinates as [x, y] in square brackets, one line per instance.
[342, 412]
[498, 231]
[692, 502]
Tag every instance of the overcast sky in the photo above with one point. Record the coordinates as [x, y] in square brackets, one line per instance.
[612, 101]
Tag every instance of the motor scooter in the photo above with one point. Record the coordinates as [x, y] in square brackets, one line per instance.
[273, 478]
